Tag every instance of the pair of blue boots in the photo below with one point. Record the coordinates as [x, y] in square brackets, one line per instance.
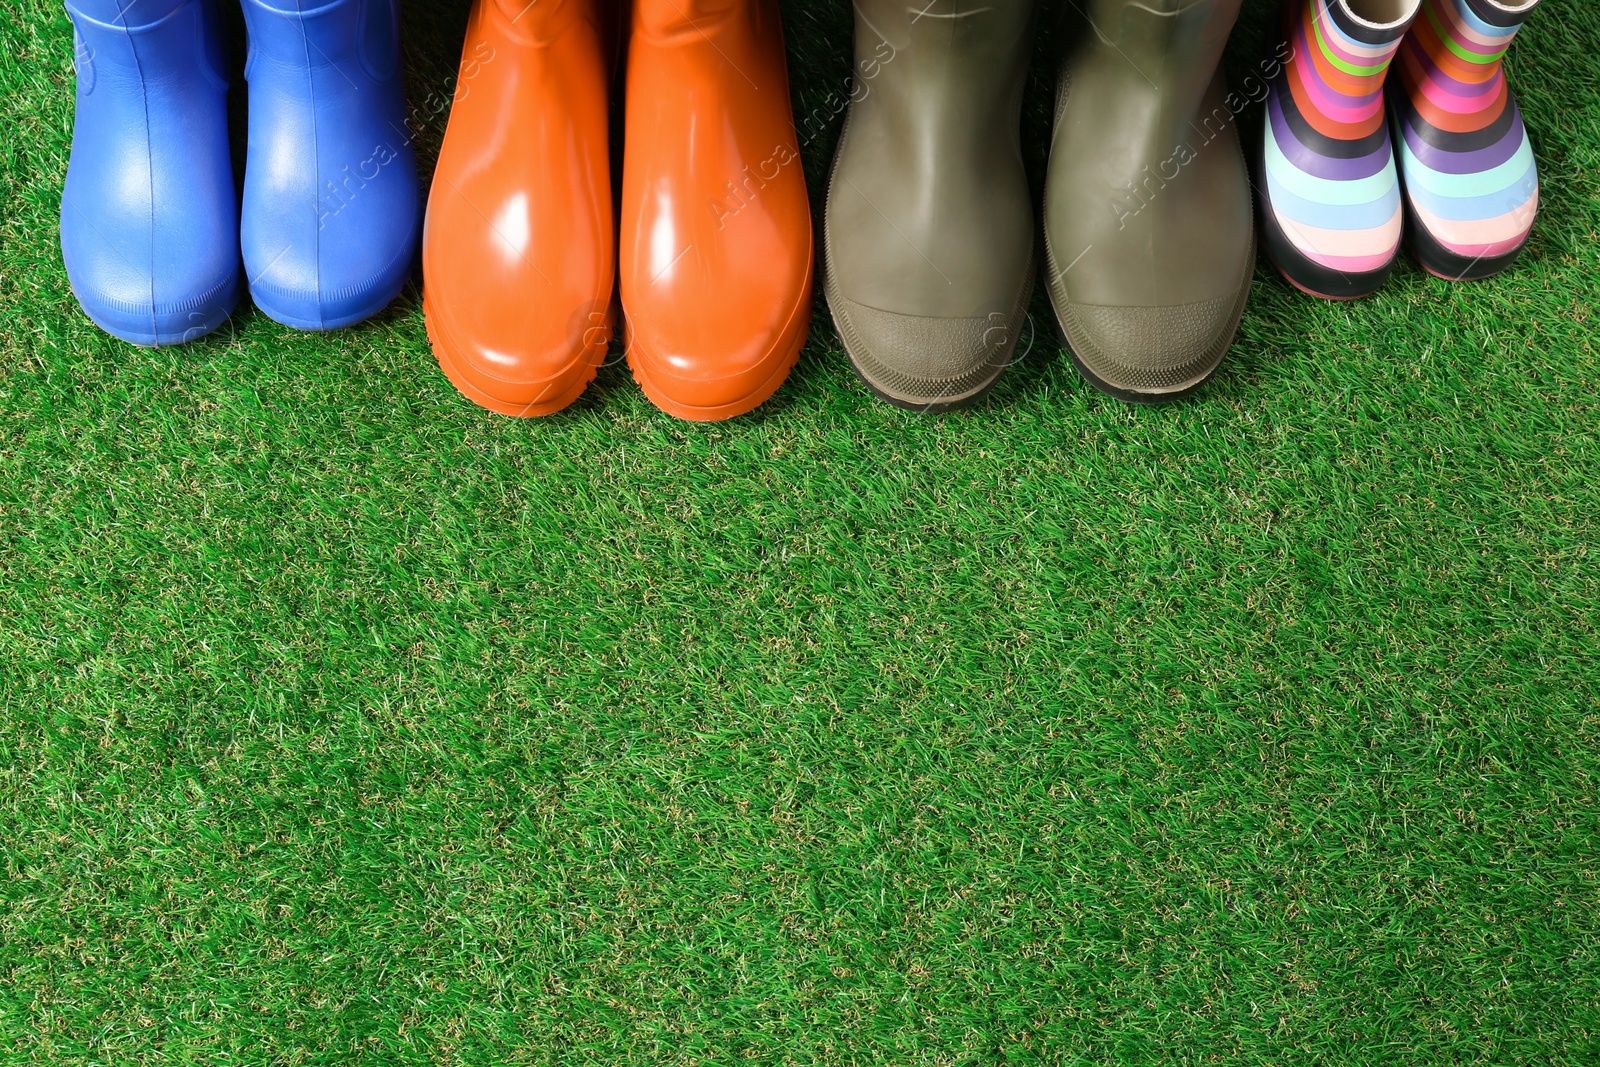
[158, 242]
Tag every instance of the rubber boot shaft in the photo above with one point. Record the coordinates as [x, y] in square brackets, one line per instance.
[930, 225]
[1147, 206]
[1470, 180]
[519, 254]
[332, 210]
[149, 214]
[715, 244]
[1329, 189]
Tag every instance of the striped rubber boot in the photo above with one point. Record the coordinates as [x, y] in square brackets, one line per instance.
[1325, 168]
[1471, 184]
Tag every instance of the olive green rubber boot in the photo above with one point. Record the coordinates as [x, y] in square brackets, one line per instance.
[1149, 233]
[929, 238]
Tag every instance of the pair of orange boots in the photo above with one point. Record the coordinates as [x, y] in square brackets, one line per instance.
[522, 245]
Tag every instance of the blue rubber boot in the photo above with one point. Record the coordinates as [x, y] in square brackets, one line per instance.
[150, 215]
[332, 211]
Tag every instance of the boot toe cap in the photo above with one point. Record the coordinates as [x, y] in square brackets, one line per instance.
[710, 383]
[337, 292]
[184, 300]
[923, 360]
[531, 377]
[150, 285]
[708, 368]
[1152, 350]
[152, 325]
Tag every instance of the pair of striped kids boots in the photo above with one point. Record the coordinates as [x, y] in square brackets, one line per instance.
[1350, 160]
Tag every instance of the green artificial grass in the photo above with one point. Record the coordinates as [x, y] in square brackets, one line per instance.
[345, 723]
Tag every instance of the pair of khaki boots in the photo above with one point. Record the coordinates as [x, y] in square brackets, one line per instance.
[931, 246]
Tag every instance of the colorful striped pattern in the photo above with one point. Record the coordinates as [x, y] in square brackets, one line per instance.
[1470, 177]
[1329, 166]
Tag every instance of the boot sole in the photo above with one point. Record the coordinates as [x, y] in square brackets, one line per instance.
[213, 309]
[1159, 398]
[582, 372]
[972, 397]
[1310, 277]
[715, 412]
[783, 357]
[1450, 266]
[383, 294]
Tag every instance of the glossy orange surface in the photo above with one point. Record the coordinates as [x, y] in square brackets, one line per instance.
[519, 250]
[716, 242]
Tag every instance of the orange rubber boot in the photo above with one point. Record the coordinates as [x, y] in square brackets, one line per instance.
[716, 239]
[519, 250]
